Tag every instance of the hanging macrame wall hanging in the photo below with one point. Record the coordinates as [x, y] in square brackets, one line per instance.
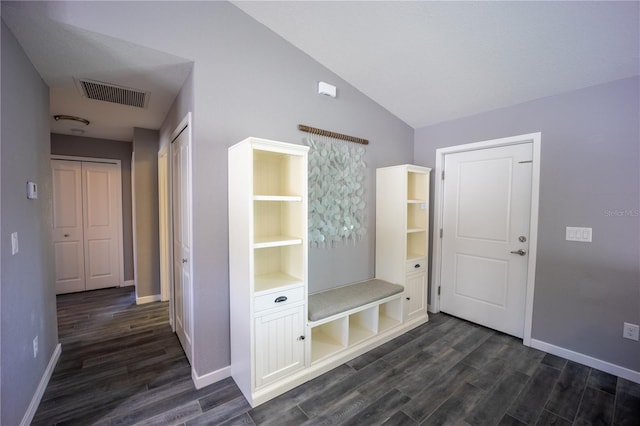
[336, 188]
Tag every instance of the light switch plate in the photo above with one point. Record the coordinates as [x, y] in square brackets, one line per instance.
[14, 243]
[583, 235]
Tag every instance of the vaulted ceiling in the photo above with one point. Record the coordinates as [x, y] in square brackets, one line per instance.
[426, 62]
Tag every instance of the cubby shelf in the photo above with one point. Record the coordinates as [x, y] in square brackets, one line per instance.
[275, 280]
[354, 327]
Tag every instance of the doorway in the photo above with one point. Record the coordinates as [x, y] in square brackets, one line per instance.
[176, 268]
[486, 206]
[87, 224]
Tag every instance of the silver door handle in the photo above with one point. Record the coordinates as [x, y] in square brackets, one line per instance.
[521, 252]
[184, 260]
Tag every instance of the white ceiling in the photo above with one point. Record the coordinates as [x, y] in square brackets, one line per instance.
[63, 53]
[426, 62]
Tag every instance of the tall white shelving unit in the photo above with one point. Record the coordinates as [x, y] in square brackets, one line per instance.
[267, 262]
[402, 233]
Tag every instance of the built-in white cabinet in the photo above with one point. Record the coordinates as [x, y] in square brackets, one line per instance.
[267, 261]
[402, 233]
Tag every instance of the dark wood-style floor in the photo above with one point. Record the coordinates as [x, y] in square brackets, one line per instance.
[121, 365]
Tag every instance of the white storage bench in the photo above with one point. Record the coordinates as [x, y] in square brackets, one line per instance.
[343, 323]
[346, 316]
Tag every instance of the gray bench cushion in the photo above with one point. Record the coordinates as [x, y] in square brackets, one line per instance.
[341, 299]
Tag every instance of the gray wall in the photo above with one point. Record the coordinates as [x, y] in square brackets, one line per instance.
[28, 292]
[246, 81]
[590, 176]
[145, 178]
[104, 148]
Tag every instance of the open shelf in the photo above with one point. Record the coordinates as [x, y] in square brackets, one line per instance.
[277, 223]
[278, 174]
[278, 266]
[389, 314]
[288, 198]
[416, 216]
[276, 241]
[417, 186]
[362, 325]
[416, 245]
[266, 282]
[328, 338]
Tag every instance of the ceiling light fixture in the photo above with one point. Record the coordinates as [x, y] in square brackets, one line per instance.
[81, 120]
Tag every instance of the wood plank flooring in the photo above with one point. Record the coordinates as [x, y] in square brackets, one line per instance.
[121, 365]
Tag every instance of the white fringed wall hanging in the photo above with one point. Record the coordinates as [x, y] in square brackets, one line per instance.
[336, 191]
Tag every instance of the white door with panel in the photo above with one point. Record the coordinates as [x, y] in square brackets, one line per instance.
[68, 234]
[87, 224]
[102, 218]
[181, 192]
[486, 215]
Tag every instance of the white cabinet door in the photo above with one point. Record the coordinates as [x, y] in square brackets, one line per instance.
[68, 239]
[415, 291]
[279, 348]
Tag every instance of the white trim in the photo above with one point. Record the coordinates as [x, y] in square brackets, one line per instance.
[147, 299]
[86, 159]
[128, 283]
[163, 223]
[133, 222]
[209, 378]
[535, 139]
[185, 125]
[42, 386]
[587, 360]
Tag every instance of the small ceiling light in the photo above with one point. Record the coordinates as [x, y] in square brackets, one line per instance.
[77, 120]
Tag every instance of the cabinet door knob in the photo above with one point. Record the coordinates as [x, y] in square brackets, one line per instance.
[417, 265]
[66, 235]
[301, 338]
[408, 298]
[280, 299]
[184, 260]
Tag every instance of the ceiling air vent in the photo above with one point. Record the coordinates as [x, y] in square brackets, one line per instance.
[111, 93]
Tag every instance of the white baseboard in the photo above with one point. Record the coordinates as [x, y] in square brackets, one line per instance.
[587, 360]
[128, 283]
[44, 381]
[147, 299]
[209, 378]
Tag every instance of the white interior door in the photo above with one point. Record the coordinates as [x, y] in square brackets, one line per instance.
[101, 201]
[68, 237]
[485, 218]
[181, 192]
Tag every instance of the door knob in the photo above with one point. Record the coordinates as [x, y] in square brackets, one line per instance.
[521, 252]
[184, 260]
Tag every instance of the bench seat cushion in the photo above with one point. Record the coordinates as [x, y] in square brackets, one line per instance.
[336, 300]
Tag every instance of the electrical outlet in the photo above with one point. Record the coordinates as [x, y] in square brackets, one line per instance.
[583, 235]
[631, 331]
[35, 346]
